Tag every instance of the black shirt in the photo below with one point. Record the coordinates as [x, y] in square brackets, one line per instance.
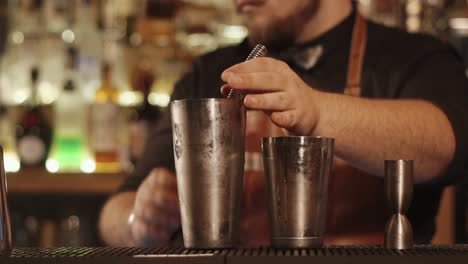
[397, 65]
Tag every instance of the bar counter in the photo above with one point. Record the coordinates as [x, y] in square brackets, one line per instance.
[40, 181]
[426, 254]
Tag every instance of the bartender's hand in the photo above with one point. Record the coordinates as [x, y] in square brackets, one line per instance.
[156, 210]
[276, 89]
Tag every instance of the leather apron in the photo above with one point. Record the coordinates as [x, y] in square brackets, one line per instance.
[356, 211]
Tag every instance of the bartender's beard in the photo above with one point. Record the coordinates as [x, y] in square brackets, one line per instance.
[280, 33]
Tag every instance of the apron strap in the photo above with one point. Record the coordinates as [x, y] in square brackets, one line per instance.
[356, 56]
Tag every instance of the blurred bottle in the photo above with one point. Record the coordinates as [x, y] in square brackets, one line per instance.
[56, 15]
[7, 141]
[69, 233]
[48, 229]
[34, 133]
[4, 25]
[69, 152]
[26, 229]
[27, 16]
[89, 42]
[105, 122]
[22, 49]
[458, 29]
[143, 116]
[389, 12]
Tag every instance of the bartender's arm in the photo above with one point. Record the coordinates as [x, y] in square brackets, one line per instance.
[366, 131]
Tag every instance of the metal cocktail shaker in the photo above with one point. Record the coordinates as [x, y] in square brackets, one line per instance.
[5, 227]
[208, 137]
[398, 192]
[297, 171]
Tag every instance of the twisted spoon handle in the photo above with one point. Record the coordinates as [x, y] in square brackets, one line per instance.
[258, 51]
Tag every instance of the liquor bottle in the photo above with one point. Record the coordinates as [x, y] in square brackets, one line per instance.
[143, 116]
[27, 16]
[26, 229]
[69, 145]
[7, 141]
[90, 45]
[4, 26]
[56, 15]
[68, 148]
[33, 133]
[105, 122]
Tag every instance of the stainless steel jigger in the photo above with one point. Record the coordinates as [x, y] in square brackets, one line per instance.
[5, 228]
[398, 192]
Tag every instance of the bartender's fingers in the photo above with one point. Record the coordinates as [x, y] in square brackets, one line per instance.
[263, 64]
[166, 200]
[153, 204]
[162, 177]
[158, 198]
[259, 81]
[148, 235]
[225, 89]
[157, 216]
[286, 119]
[157, 195]
[279, 101]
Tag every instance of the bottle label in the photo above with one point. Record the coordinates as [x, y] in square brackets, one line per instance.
[31, 149]
[105, 125]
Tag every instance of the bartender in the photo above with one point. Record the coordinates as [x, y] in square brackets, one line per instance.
[380, 92]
